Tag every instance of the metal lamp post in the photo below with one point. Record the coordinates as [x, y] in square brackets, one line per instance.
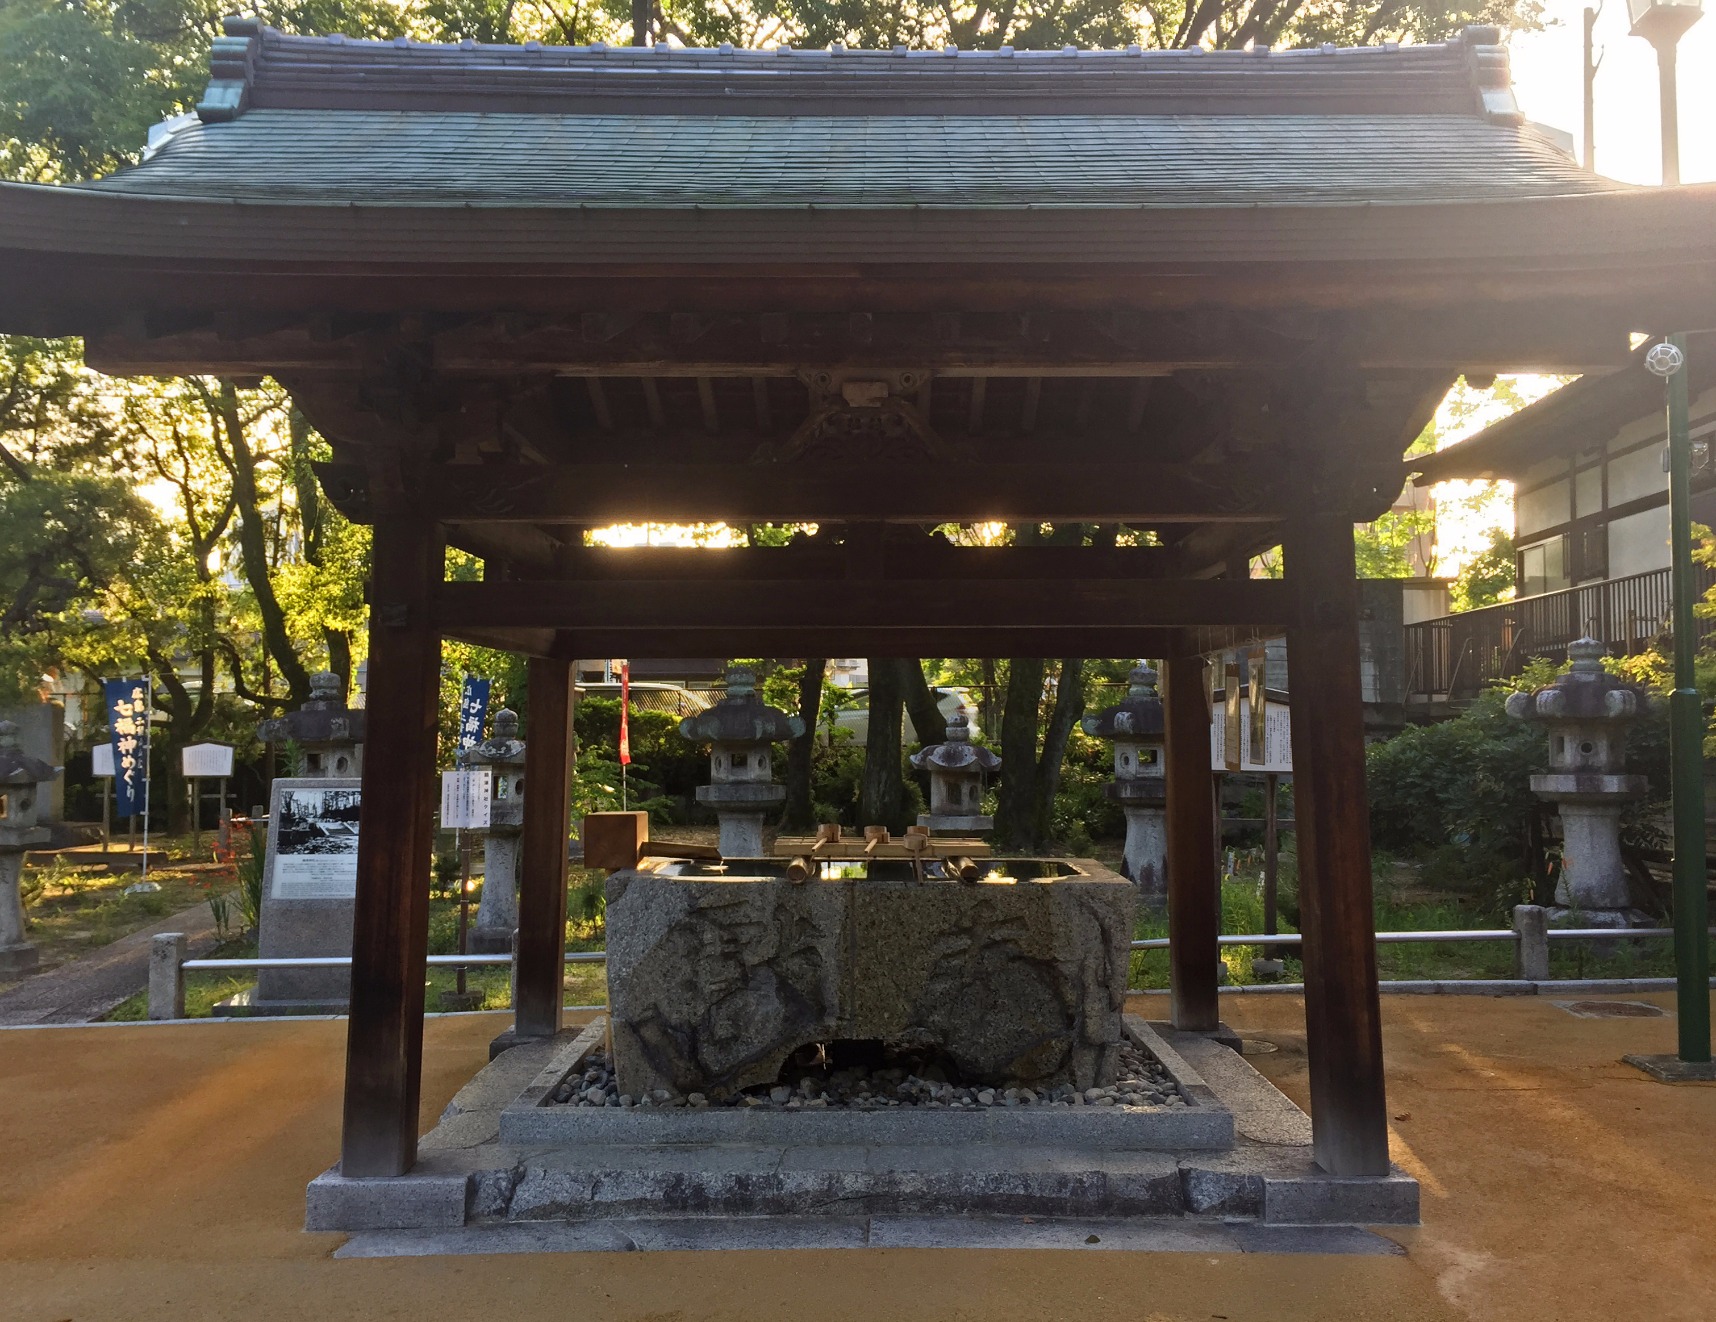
[1662, 23]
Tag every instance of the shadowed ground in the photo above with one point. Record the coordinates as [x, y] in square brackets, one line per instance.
[159, 1172]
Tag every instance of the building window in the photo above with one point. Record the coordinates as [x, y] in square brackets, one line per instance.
[1543, 567]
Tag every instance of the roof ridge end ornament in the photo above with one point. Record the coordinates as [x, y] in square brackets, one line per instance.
[232, 69]
[1491, 72]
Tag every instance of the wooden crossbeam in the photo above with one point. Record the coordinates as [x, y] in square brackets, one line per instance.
[923, 493]
[748, 343]
[945, 606]
[822, 558]
[841, 640]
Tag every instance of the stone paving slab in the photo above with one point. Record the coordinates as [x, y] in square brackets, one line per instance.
[85, 989]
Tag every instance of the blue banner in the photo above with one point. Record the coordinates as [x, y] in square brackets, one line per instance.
[128, 719]
[473, 711]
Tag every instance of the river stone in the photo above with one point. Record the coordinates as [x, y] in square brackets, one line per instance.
[714, 982]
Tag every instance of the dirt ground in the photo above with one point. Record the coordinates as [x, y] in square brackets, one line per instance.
[159, 1171]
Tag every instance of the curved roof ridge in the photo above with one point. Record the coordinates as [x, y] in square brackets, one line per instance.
[255, 65]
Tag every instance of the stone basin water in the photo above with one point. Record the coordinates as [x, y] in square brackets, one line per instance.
[997, 871]
[719, 971]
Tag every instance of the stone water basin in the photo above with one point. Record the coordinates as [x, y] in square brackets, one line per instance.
[719, 971]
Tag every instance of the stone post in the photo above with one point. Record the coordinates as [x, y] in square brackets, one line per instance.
[497, 912]
[167, 976]
[1531, 951]
[21, 781]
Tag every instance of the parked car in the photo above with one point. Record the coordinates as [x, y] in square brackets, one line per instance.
[651, 695]
[950, 701]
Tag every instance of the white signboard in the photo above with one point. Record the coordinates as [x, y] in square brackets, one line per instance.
[313, 839]
[465, 797]
[101, 759]
[1277, 738]
[207, 759]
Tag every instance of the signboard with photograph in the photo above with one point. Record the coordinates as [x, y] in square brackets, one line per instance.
[313, 839]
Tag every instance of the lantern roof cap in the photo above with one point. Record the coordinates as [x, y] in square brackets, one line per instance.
[324, 718]
[503, 747]
[741, 716]
[1138, 716]
[16, 766]
[1586, 692]
[958, 753]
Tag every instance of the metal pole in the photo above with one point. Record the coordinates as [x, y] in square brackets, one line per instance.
[1666, 85]
[1686, 731]
[464, 902]
[106, 813]
[1271, 856]
[1590, 143]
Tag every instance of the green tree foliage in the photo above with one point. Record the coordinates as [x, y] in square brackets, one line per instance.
[1488, 578]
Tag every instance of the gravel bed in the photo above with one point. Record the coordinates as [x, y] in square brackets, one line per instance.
[1142, 1085]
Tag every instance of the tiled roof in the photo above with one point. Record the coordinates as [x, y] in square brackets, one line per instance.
[326, 120]
[378, 157]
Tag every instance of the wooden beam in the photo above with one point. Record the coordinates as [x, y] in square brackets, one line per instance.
[1343, 1024]
[542, 849]
[943, 605]
[390, 928]
[1194, 883]
[1117, 642]
[1089, 341]
[823, 558]
[928, 493]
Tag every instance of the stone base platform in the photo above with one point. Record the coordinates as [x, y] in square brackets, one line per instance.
[503, 1157]
[248, 1005]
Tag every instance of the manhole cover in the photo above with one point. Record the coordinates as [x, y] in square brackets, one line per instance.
[1613, 1009]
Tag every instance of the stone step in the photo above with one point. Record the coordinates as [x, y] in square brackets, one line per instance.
[734, 1180]
[494, 1183]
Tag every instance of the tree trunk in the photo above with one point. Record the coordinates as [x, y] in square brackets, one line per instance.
[883, 794]
[800, 814]
[928, 723]
[253, 543]
[1069, 706]
[1016, 795]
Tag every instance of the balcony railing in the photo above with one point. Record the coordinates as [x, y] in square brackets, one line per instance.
[1455, 657]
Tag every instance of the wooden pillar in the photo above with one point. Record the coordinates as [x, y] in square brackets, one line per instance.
[390, 931]
[1194, 886]
[1343, 1024]
[542, 849]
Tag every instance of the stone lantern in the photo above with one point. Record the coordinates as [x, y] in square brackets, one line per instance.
[329, 733]
[957, 770]
[1587, 713]
[503, 754]
[742, 728]
[21, 781]
[1139, 784]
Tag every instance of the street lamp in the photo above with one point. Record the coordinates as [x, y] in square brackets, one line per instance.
[1662, 23]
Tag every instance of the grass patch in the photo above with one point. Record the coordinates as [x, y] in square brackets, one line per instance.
[1402, 904]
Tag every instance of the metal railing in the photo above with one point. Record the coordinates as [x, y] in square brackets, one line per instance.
[1457, 656]
[1530, 933]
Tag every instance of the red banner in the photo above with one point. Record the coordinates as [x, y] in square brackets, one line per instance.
[625, 713]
